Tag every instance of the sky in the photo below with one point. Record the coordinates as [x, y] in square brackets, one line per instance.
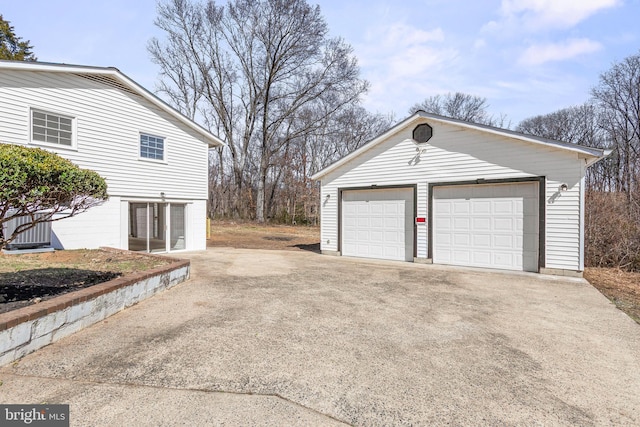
[527, 57]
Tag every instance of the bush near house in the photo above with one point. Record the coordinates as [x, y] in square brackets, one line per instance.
[33, 180]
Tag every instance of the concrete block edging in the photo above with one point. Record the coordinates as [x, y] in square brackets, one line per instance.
[27, 329]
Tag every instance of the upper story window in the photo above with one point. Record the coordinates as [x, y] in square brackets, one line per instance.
[151, 147]
[51, 128]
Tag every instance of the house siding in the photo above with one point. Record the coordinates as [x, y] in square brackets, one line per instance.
[458, 154]
[109, 121]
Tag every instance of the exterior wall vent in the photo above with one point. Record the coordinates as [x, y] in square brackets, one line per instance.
[422, 133]
[36, 237]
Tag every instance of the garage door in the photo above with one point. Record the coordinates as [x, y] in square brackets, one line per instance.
[378, 224]
[494, 226]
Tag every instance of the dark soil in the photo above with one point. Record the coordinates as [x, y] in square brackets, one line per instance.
[24, 288]
[27, 279]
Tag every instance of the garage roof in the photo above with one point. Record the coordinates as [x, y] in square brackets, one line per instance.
[114, 77]
[594, 154]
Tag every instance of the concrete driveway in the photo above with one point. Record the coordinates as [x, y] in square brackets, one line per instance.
[295, 338]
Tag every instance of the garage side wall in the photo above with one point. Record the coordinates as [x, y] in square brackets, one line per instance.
[458, 154]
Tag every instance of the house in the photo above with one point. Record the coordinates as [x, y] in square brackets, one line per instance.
[154, 159]
[436, 189]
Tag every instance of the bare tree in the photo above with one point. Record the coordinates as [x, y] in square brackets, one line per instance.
[254, 70]
[461, 106]
[581, 124]
[618, 95]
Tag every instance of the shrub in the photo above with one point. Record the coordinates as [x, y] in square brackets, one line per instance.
[33, 180]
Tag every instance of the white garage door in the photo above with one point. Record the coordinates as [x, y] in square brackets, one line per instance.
[494, 226]
[378, 224]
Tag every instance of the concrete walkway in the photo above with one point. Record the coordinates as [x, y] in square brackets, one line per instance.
[295, 338]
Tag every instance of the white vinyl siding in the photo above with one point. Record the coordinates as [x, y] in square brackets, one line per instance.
[109, 122]
[458, 154]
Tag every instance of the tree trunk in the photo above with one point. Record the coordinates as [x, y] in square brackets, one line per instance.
[261, 190]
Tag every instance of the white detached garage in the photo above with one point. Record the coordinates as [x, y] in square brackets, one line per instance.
[434, 189]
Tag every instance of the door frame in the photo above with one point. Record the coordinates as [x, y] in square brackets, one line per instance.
[167, 214]
[541, 208]
[413, 187]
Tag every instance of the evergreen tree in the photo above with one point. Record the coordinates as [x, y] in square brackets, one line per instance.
[11, 46]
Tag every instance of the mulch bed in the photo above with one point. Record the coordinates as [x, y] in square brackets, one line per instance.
[24, 288]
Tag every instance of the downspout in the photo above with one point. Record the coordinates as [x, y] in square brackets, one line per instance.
[583, 171]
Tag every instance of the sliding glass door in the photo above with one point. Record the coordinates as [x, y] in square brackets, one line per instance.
[151, 223]
[177, 228]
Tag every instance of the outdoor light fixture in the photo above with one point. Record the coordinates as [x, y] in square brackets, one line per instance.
[563, 187]
[162, 195]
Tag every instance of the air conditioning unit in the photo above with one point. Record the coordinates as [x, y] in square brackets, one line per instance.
[36, 237]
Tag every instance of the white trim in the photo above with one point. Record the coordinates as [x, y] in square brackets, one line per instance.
[165, 151]
[74, 129]
[208, 137]
[593, 153]
[581, 219]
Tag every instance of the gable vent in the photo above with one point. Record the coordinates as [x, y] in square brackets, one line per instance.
[109, 81]
[422, 133]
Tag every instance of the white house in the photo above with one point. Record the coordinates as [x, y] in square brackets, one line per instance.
[154, 159]
[435, 189]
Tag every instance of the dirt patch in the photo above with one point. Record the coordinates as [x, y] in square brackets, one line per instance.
[621, 287]
[27, 279]
[258, 236]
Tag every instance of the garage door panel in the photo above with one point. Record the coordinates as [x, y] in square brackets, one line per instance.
[376, 236]
[503, 207]
[378, 223]
[461, 207]
[461, 257]
[481, 240]
[363, 235]
[502, 241]
[443, 240]
[461, 223]
[480, 207]
[481, 257]
[443, 223]
[461, 239]
[362, 208]
[504, 224]
[489, 225]
[481, 223]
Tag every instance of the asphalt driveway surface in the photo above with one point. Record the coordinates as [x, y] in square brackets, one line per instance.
[295, 338]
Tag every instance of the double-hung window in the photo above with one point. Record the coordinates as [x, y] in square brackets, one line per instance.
[51, 128]
[151, 147]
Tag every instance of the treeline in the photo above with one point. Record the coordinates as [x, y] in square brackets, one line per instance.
[266, 77]
[610, 119]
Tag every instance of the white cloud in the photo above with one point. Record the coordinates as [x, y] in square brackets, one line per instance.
[542, 53]
[555, 13]
[401, 61]
[479, 43]
[535, 15]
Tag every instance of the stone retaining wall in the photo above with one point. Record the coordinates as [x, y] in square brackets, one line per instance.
[27, 329]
